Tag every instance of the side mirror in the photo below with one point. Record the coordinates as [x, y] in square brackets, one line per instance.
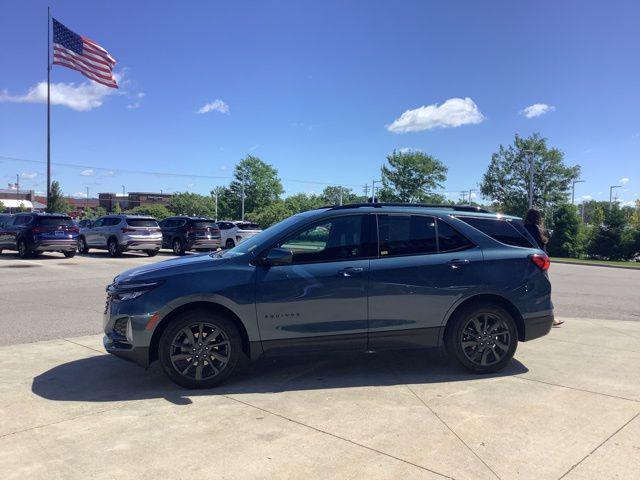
[278, 256]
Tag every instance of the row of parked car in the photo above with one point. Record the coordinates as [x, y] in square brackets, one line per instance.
[33, 233]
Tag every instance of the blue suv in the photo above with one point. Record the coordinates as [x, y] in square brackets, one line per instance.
[33, 233]
[357, 277]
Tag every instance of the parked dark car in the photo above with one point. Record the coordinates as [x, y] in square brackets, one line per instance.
[362, 277]
[181, 234]
[34, 233]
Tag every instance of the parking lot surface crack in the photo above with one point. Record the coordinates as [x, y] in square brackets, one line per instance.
[599, 445]
[81, 345]
[421, 467]
[520, 377]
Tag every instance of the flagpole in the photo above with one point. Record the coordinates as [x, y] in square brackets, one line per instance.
[48, 107]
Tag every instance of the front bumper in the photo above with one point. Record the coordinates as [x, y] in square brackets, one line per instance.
[536, 327]
[137, 355]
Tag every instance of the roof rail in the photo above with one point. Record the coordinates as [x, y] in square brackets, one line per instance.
[458, 208]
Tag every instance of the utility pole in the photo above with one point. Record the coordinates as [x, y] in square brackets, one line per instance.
[243, 180]
[123, 189]
[340, 195]
[373, 190]
[86, 202]
[611, 188]
[531, 169]
[470, 192]
[366, 190]
[215, 195]
[573, 190]
[18, 188]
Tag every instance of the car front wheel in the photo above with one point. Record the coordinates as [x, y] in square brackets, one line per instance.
[113, 248]
[483, 337]
[23, 250]
[178, 247]
[82, 245]
[199, 349]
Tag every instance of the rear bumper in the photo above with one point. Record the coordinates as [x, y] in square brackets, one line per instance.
[210, 243]
[143, 244]
[64, 245]
[537, 327]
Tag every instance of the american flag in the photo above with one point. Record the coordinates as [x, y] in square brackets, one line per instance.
[81, 54]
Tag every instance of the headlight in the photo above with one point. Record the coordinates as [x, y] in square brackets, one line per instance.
[124, 292]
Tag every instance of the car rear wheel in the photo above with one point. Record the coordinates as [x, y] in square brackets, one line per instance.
[178, 247]
[229, 243]
[70, 253]
[199, 349]
[23, 250]
[82, 245]
[483, 337]
[113, 248]
[151, 253]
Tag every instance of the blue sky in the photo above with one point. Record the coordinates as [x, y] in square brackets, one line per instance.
[318, 89]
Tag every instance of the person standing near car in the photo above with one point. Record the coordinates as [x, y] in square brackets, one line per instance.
[535, 226]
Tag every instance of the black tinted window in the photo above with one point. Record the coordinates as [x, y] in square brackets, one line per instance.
[335, 239]
[54, 221]
[450, 240]
[203, 224]
[406, 234]
[248, 226]
[141, 222]
[499, 230]
[22, 220]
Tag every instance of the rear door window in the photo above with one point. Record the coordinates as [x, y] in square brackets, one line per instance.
[22, 220]
[406, 235]
[450, 240]
[500, 230]
[141, 222]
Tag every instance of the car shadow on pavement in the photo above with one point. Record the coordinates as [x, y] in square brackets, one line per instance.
[104, 378]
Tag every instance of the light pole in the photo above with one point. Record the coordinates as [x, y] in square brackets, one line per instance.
[242, 196]
[373, 190]
[573, 190]
[470, 192]
[86, 201]
[122, 190]
[611, 188]
[530, 152]
[215, 195]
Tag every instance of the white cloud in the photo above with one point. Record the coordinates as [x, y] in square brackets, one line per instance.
[628, 203]
[29, 175]
[536, 110]
[452, 113]
[586, 198]
[408, 150]
[82, 97]
[133, 106]
[217, 106]
[141, 94]
[624, 180]
[79, 195]
[87, 173]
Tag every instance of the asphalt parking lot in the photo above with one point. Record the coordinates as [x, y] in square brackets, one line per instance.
[568, 406]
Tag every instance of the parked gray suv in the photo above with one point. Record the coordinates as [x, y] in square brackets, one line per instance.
[121, 233]
[362, 277]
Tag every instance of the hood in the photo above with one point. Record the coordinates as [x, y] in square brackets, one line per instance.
[173, 266]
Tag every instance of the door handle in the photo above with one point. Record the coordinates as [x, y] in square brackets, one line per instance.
[347, 272]
[458, 262]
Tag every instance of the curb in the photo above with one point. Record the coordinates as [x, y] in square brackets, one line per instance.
[587, 264]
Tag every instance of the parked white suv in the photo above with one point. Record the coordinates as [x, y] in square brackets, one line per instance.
[234, 232]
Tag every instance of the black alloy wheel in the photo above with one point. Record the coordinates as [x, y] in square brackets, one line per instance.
[178, 247]
[23, 250]
[82, 245]
[113, 248]
[483, 338]
[200, 349]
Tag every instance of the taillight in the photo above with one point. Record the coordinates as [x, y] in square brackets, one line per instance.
[541, 260]
[128, 230]
[74, 230]
[37, 230]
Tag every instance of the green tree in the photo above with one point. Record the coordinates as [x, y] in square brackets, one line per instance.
[187, 203]
[117, 209]
[226, 203]
[301, 202]
[262, 185]
[607, 239]
[57, 203]
[412, 177]
[506, 180]
[2, 207]
[331, 196]
[93, 213]
[567, 238]
[270, 214]
[159, 212]
[594, 212]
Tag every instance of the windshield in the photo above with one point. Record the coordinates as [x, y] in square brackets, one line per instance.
[249, 245]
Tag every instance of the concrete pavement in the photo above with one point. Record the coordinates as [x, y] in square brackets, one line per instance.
[567, 407]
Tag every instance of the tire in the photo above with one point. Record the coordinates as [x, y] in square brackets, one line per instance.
[82, 245]
[229, 243]
[113, 248]
[151, 253]
[483, 337]
[69, 253]
[23, 249]
[178, 362]
[178, 246]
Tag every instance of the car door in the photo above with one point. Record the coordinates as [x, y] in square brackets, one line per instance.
[414, 281]
[14, 230]
[320, 300]
[165, 227]
[90, 234]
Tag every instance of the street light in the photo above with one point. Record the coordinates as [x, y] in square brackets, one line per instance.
[611, 188]
[573, 189]
[530, 152]
[373, 190]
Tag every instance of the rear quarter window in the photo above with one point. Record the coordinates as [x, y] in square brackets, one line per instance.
[500, 230]
[450, 240]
